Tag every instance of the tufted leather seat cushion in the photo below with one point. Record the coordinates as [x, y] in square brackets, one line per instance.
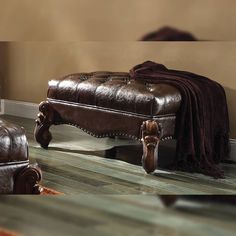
[13, 143]
[115, 90]
[16, 174]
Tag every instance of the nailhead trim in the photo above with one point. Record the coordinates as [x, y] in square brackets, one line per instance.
[167, 138]
[108, 134]
[100, 136]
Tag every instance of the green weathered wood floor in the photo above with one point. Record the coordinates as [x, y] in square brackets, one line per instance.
[75, 164]
[111, 197]
[114, 215]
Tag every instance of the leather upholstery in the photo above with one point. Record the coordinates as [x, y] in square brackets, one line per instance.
[115, 90]
[13, 154]
[106, 122]
[111, 104]
[13, 143]
[7, 176]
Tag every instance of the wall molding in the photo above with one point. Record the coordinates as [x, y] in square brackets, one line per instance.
[30, 111]
[2, 106]
[20, 109]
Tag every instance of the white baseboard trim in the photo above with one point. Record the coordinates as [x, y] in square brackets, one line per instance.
[20, 109]
[30, 111]
[2, 107]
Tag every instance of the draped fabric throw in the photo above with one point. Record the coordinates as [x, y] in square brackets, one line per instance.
[202, 123]
[169, 34]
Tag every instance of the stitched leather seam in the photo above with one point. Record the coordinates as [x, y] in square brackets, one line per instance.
[13, 163]
[171, 115]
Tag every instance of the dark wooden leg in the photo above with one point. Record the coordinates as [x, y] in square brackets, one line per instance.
[111, 153]
[168, 200]
[27, 181]
[151, 133]
[43, 122]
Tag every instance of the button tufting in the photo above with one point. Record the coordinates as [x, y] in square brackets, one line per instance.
[117, 91]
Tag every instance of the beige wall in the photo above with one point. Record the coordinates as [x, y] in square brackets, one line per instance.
[3, 67]
[114, 19]
[1, 73]
[31, 65]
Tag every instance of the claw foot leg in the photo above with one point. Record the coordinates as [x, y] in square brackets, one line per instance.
[43, 122]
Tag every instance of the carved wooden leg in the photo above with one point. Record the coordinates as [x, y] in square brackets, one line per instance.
[151, 133]
[27, 181]
[43, 122]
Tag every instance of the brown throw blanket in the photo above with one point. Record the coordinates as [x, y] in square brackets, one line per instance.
[168, 34]
[202, 123]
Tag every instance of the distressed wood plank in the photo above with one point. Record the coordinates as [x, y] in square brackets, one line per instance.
[76, 163]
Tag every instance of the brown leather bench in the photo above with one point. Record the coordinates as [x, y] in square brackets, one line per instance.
[111, 104]
[16, 174]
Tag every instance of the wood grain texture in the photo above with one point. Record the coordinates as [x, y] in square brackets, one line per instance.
[88, 214]
[75, 163]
